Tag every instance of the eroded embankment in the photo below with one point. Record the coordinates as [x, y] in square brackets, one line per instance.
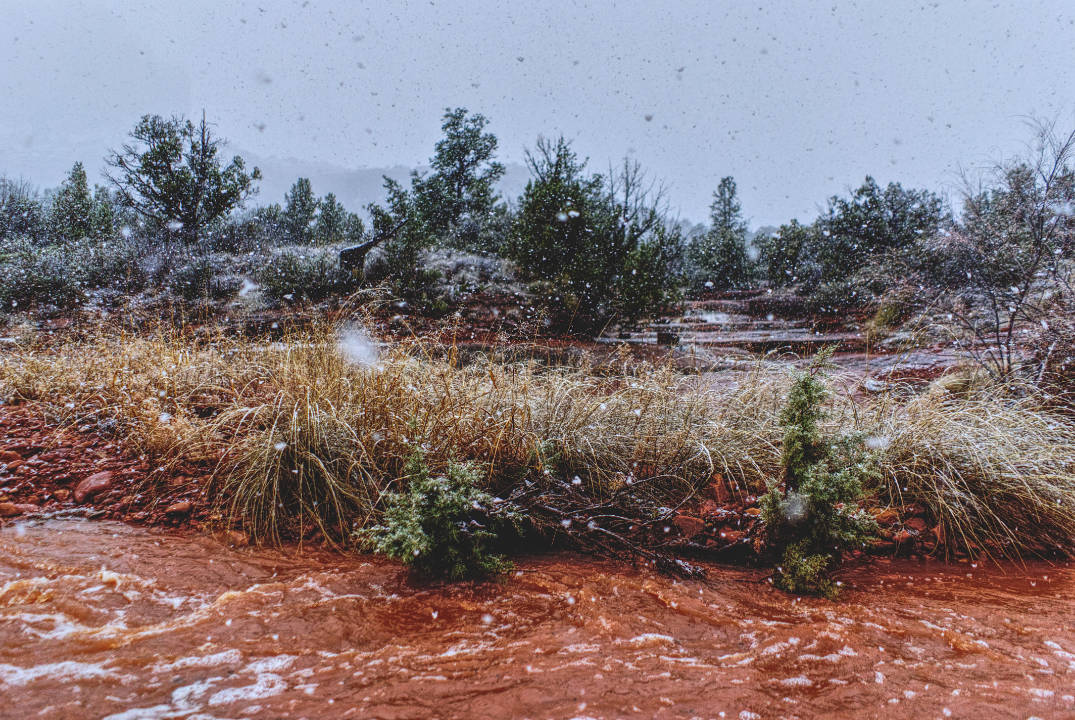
[101, 619]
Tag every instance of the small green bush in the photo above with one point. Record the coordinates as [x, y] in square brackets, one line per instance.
[108, 264]
[815, 518]
[308, 274]
[38, 277]
[202, 279]
[443, 526]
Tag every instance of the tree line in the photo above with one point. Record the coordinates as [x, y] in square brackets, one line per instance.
[598, 247]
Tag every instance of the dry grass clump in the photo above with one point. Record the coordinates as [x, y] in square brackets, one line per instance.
[153, 391]
[301, 436]
[997, 473]
[329, 436]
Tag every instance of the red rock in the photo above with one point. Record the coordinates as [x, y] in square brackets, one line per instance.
[13, 465]
[916, 524]
[180, 508]
[236, 538]
[888, 516]
[9, 509]
[93, 485]
[903, 537]
[732, 536]
[63, 494]
[9, 456]
[689, 526]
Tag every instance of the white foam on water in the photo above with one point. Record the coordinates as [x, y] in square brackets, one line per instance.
[14, 676]
[651, 639]
[227, 657]
[270, 664]
[267, 685]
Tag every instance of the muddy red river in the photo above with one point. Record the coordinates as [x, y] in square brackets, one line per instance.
[100, 619]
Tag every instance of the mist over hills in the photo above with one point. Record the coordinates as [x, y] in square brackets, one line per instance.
[354, 187]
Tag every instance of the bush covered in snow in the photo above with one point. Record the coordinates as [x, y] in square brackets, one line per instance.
[293, 274]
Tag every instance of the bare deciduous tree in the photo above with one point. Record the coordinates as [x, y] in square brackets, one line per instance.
[1009, 259]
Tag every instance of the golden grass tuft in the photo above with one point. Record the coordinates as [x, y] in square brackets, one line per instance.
[998, 473]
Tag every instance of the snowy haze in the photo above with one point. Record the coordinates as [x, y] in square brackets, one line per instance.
[797, 100]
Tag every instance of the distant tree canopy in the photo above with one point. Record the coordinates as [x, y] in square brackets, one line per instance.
[718, 260]
[21, 211]
[335, 224]
[600, 242]
[449, 205]
[170, 173]
[851, 252]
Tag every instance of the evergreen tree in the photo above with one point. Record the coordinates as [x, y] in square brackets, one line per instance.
[171, 175]
[300, 212]
[335, 224]
[719, 259]
[72, 214]
[601, 244]
[461, 190]
[103, 217]
[21, 211]
[785, 255]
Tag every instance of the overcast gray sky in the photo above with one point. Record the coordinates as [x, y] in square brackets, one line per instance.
[797, 100]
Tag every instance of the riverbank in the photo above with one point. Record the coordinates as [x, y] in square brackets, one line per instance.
[611, 454]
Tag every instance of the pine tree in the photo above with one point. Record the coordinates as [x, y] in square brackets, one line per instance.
[463, 183]
[72, 215]
[331, 220]
[300, 210]
[719, 260]
[171, 175]
[103, 217]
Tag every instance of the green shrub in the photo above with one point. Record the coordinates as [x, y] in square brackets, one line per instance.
[310, 274]
[42, 278]
[815, 518]
[443, 526]
[202, 279]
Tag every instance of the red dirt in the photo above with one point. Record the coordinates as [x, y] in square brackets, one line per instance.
[42, 465]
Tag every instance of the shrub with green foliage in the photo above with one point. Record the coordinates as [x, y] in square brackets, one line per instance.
[308, 274]
[600, 246]
[443, 526]
[203, 278]
[815, 518]
[861, 248]
[40, 278]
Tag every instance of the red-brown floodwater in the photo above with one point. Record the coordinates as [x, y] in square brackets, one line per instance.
[99, 619]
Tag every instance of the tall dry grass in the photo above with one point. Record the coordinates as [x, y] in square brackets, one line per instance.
[305, 437]
[297, 435]
[997, 472]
